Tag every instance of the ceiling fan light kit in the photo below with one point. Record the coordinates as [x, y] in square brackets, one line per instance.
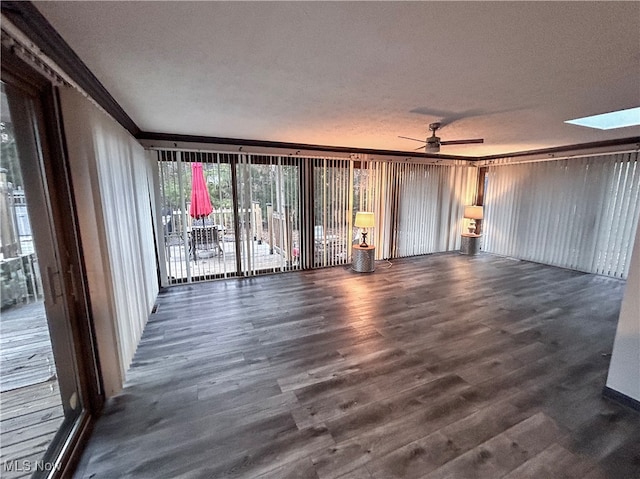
[433, 142]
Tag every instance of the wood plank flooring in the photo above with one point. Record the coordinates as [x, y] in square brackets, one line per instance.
[441, 366]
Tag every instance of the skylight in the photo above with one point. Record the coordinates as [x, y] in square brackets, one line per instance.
[609, 121]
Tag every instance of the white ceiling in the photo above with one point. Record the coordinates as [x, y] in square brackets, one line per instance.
[354, 73]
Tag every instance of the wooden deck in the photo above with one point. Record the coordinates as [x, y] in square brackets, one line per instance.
[221, 263]
[30, 406]
[213, 262]
[436, 366]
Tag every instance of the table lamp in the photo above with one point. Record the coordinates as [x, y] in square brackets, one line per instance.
[364, 219]
[473, 213]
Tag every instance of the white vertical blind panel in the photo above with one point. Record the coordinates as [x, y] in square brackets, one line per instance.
[123, 180]
[122, 218]
[620, 213]
[374, 190]
[333, 207]
[216, 169]
[576, 213]
[268, 185]
[431, 200]
[156, 211]
[173, 231]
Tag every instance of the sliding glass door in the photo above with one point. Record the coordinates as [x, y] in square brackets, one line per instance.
[50, 386]
[333, 187]
[201, 247]
[30, 394]
[228, 215]
[268, 214]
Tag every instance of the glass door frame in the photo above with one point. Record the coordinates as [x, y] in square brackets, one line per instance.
[35, 112]
[280, 210]
[242, 173]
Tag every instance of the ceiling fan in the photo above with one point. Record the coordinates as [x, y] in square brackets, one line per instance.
[433, 142]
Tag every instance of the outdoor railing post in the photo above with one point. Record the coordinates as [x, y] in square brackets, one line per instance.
[270, 226]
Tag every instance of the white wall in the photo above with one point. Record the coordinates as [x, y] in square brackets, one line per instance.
[111, 178]
[624, 369]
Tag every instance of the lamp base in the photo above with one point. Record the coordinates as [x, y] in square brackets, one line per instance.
[364, 240]
[472, 227]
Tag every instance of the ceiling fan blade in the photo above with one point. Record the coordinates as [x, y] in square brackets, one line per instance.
[420, 148]
[414, 139]
[462, 142]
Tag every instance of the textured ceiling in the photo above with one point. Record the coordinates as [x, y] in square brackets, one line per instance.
[361, 73]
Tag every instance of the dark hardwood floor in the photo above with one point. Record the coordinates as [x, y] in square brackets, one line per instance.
[441, 366]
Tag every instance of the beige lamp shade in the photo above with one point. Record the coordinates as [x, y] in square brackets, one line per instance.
[473, 212]
[364, 219]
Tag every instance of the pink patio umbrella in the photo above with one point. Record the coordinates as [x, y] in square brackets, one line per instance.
[200, 202]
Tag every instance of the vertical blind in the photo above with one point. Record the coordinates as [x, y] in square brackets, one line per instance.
[332, 211]
[417, 207]
[257, 204]
[122, 172]
[184, 259]
[268, 205]
[431, 200]
[255, 223]
[375, 190]
[111, 177]
[576, 213]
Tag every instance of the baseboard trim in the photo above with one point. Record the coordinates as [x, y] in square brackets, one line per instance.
[618, 397]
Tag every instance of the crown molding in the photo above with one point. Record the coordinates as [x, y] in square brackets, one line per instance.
[608, 147]
[245, 146]
[632, 143]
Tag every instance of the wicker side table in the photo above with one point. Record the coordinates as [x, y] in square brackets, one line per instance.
[470, 244]
[363, 258]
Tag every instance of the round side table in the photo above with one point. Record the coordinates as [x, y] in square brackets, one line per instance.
[470, 244]
[363, 258]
